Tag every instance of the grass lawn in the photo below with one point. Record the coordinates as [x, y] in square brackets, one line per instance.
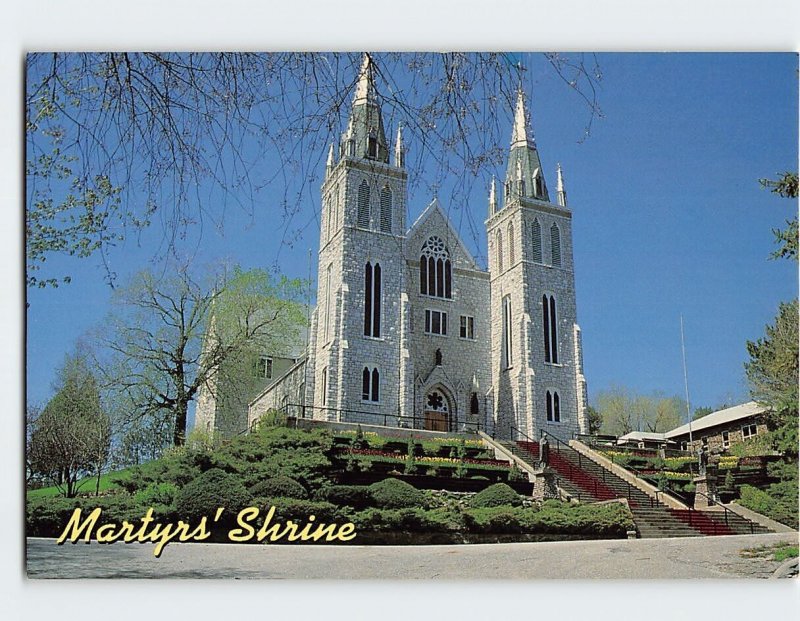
[86, 486]
[779, 552]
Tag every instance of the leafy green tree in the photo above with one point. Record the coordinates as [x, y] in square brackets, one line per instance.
[71, 437]
[116, 140]
[785, 186]
[170, 335]
[595, 420]
[772, 373]
[701, 412]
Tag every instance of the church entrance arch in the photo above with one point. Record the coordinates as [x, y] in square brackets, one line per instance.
[437, 410]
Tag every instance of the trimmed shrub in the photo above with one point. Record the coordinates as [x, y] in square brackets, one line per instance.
[396, 494]
[300, 510]
[409, 519]
[496, 495]
[355, 496]
[775, 508]
[279, 487]
[213, 489]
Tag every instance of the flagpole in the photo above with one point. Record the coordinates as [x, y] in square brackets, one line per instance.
[686, 384]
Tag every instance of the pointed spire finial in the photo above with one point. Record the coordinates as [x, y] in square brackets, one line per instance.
[492, 198]
[399, 149]
[520, 133]
[329, 164]
[561, 193]
[365, 87]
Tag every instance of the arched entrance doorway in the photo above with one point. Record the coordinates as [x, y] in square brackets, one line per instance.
[437, 411]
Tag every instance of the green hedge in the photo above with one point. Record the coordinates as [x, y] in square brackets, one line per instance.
[776, 506]
[395, 494]
[496, 495]
[279, 487]
[355, 496]
[213, 489]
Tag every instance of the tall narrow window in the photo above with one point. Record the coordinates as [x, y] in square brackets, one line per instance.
[368, 299]
[376, 301]
[362, 217]
[553, 330]
[325, 224]
[510, 245]
[474, 407]
[324, 386]
[555, 245]
[365, 384]
[386, 210]
[435, 271]
[508, 353]
[553, 407]
[550, 329]
[376, 382]
[537, 240]
[372, 300]
[499, 249]
[372, 146]
[328, 302]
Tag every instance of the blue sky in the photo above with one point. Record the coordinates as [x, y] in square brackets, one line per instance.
[668, 218]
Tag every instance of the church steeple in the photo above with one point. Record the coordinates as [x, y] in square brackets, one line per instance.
[524, 178]
[365, 138]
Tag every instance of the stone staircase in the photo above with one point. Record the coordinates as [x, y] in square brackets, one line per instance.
[588, 481]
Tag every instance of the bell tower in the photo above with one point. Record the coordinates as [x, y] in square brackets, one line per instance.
[537, 374]
[355, 354]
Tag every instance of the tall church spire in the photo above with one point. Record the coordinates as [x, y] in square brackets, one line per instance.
[524, 178]
[365, 138]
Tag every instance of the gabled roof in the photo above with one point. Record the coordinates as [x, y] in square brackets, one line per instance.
[432, 208]
[642, 435]
[720, 417]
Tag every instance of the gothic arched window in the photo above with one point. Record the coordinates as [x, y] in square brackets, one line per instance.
[386, 210]
[370, 385]
[550, 329]
[499, 250]
[510, 245]
[537, 240]
[553, 407]
[508, 350]
[555, 245]
[372, 300]
[435, 271]
[362, 218]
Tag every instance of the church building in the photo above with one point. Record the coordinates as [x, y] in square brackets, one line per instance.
[408, 329]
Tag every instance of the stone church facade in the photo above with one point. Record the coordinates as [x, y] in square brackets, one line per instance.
[408, 329]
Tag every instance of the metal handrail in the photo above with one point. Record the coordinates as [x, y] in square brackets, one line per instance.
[468, 427]
[725, 509]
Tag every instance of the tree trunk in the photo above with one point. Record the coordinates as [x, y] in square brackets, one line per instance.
[179, 435]
[97, 487]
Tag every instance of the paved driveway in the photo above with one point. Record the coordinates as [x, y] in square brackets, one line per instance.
[700, 557]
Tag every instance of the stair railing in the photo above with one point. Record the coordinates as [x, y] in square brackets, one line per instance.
[726, 511]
